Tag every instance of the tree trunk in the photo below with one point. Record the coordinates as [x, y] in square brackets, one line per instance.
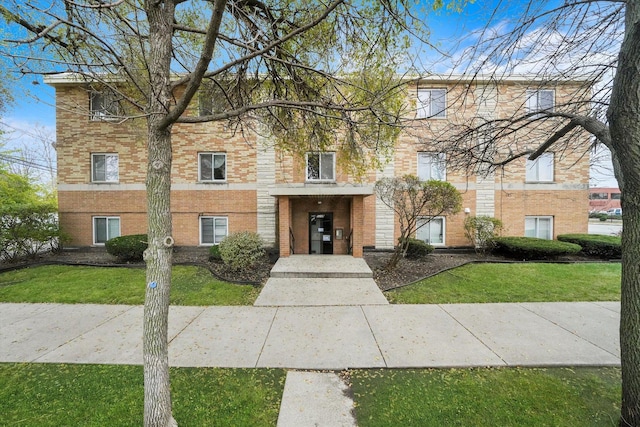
[158, 256]
[624, 125]
[157, 394]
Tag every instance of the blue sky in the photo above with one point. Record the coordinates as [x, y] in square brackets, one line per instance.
[34, 104]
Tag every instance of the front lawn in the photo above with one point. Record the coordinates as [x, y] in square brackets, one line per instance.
[109, 395]
[487, 397]
[517, 282]
[105, 285]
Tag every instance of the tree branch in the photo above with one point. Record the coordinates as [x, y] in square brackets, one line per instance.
[195, 78]
[39, 31]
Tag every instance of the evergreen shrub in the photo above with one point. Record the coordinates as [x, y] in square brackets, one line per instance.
[597, 245]
[127, 248]
[533, 248]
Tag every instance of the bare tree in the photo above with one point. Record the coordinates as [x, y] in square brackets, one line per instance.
[315, 74]
[32, 156]
[415, 203]
[590, 49]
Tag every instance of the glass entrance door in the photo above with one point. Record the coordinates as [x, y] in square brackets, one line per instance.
[321, 233]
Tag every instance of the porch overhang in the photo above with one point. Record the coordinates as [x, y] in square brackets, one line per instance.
[326, 189]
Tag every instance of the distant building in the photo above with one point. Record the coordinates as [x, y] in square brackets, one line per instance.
[603, 199]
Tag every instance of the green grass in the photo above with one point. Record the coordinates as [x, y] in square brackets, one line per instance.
[106, 395]
[521, 282]
[487, 397]
[102, 285]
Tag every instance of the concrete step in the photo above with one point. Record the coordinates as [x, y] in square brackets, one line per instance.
[304, 292]
[321, 266]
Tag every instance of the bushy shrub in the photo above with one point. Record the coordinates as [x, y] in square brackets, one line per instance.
[241, 250]
[28, 229]
[597, 245]
[481, 230]
[417, 249]
[599, 215]
[214, 253]
[533, 248]
[127, 248]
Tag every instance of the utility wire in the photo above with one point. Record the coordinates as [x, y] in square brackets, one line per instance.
[28, 163]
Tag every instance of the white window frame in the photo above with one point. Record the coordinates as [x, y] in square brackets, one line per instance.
[214, 218]
[106, 164]
[108, 219]
[433, 159]
[541, 169]
[536, 228]
[427, 108]
[213, 156]
[534, 99]
[320, 155]
[103, 105]
[422, 229]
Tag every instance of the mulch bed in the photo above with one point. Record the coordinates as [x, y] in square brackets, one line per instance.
[407, 271]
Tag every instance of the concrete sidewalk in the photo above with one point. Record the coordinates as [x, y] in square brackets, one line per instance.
[321, 337]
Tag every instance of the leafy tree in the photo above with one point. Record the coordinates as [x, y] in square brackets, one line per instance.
[315, 74]
[593, 44]
[28, 221]
[415, 203]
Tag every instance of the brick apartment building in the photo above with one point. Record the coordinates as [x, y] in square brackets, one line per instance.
[224, 182]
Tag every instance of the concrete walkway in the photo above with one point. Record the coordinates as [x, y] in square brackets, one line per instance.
[325, 337]
[316, 280]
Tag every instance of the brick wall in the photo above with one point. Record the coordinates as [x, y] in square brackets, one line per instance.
[245, 199]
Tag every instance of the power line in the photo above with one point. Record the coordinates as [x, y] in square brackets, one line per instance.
[28, 163]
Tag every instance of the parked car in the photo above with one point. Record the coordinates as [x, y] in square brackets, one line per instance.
[615, 211]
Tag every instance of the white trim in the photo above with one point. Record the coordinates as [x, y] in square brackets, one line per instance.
[433, 157]
[424, 111]
[213, 179]
[537, 219]
[534, 94]
[106, 181]
[535, 174]
[444, 230]
[320, 154]
[214, 218]
[321, 189]
[93, 228]
[314, 189]
[193, 186]
[101, 113]
[556, 79]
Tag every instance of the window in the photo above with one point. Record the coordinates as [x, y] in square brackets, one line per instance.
[599, 196]
[431, 166]
[538, 226]
[104, 106]
[615, 196]
[104, 168]
[213, 98]
[540, 169]
[540, 100]
[321, 167]
[431, 232]
[212, 167]
[213, 229]
[432, 103]
[105, 228]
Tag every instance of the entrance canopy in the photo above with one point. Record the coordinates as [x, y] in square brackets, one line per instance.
[321, 218]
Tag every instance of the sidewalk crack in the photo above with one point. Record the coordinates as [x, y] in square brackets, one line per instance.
[384, 360]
